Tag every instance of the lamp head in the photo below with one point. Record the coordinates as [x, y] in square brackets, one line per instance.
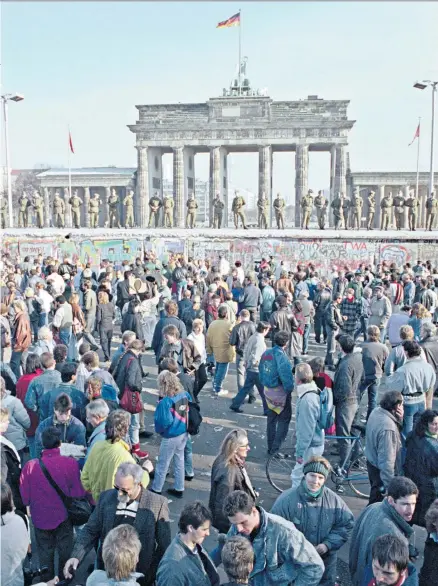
[17, 98]
[420, 85]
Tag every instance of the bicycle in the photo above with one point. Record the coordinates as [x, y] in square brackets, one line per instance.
[353, 471]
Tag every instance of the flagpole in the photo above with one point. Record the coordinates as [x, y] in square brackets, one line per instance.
[418, 159]
[69, 163]
[240, 50]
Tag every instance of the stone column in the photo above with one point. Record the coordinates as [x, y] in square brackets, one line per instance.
[406, 190]
[68, 216]
[106, 206]
[215, 179]
[189, 177]
[155, 160]
[265, 176]
[340, 170]
[380, 194]
[142, 186]
[47, 206]
[86, 204]
[332, 184]
[301, 179]
[178, 186]
[421, 221]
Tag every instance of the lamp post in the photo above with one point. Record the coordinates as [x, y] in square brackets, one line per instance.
[422, 85]
[5, 99]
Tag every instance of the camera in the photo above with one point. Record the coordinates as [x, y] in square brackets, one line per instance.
[30, 574]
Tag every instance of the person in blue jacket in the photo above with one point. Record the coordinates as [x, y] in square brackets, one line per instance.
[390, 563]
[171, 419]
[275, 373]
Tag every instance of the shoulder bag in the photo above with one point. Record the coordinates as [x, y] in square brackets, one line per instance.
[131, 400]
[78, 509]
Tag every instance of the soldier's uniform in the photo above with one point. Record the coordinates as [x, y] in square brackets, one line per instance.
[113, 208]
[371, 210]
[399, 211]
[412, 203]
[279, 205]
[218, 210]
[306, 207]
[431, 212]
[58, 211]
[263, 209]
[76, 203]
[93, 209]
[385, 206]
[38, 204]
[357, 211]
[237, 209]
[321, 204]
[168, 205]
[155, 204]
[128, 202]
[23, 211]
[3, 212]
[346, 205]
[192, 206]
[338, 214]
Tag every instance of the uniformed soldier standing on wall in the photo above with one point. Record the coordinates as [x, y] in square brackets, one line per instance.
[431, 211]
[38, 204]
[385, 206]
[93, 209]
[346, 206]
[238, 211]
[218, 210]
[128, 202]
[279, 207]
[3, 212]
[337, 207]
[357, 209]
[371, 209]
[192, 206]
[155, 204]
[168, 205]
[23, 210]
[58, 211]
[263, 211]
[113, 208]
[306, 209]
[321, 204]
[399, 210]
[412, 203]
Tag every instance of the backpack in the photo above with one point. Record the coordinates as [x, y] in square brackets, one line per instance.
[326, 417]
[194, 419]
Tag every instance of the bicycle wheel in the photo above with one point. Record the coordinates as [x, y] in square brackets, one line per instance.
[278, 470]
[357, 477]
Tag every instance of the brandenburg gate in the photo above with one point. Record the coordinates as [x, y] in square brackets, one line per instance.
[238, 121]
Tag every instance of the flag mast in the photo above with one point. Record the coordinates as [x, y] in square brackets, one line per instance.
[240, 50]
[69, 162]
[418, 159]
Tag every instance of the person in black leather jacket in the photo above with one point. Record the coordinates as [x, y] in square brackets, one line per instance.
[240, 335]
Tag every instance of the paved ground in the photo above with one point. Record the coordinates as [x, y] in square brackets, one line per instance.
[218, 421]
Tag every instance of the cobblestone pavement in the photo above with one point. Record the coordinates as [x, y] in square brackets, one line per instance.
[218, 421]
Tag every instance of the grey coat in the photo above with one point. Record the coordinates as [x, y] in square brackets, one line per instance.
[375, 520]
[348, 376]
[383, 444]
[19, 421]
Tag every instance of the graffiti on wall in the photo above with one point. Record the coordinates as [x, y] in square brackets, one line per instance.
[398, 253]
[163, 246]
[46, 247]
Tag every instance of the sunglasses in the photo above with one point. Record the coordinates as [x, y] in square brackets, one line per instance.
[122, 490]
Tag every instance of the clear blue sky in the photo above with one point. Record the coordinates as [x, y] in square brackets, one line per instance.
[88, 64]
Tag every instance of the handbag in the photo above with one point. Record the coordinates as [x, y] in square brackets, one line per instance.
[78, 509]
[194, 419]
[131, 400]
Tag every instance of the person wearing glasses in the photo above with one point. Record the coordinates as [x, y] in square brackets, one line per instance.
[228, 474]
[128, 502]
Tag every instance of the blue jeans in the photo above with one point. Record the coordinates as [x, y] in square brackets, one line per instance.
[170, 448]
[409, 416]
[134, 429]
[320, 326]
[64, 336]
[372, 385]
[219, 375]
[188, 457]
[43, 320]
[15, 363]
[362, 329]
[252, 380]
[331, 346]
[240, 368]
[383, 335]
[31, 444]
[306, 335]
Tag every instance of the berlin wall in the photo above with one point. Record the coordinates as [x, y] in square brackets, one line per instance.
[334, 249]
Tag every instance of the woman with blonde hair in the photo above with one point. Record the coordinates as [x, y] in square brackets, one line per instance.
[229, 473]
[198, 338]
[171, 421]
[419, 316]
[120, 554]
[104, 322]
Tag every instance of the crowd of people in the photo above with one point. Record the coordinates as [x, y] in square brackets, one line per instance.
[75, 477]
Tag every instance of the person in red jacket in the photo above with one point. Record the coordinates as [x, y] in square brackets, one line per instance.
[33, 368]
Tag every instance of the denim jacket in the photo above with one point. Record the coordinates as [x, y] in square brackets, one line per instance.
[282, 554]
[276, 370]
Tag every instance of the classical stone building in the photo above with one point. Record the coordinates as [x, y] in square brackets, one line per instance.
[237, 123]
[383, 182]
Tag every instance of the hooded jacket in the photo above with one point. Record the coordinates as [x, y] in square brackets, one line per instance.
[307, 431]
[19, 421]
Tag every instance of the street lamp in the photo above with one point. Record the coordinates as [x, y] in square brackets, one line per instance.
[422, 85]
[5, 99]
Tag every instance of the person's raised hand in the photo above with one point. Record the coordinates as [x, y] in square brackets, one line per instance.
[71, 564]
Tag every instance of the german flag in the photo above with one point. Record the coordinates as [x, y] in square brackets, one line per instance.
[232, 21]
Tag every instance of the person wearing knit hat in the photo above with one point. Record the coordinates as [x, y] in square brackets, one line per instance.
[319, 513]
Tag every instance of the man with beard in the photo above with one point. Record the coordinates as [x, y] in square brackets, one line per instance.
[390, 564]
[128, 502]
[392, 516]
